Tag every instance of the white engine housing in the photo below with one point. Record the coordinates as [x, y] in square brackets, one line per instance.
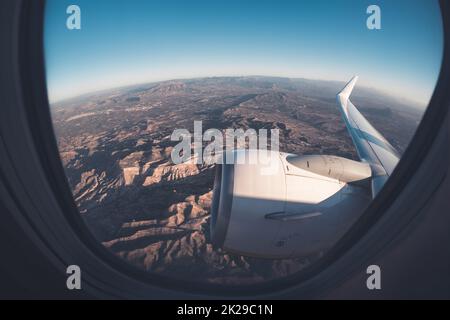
[290, 207]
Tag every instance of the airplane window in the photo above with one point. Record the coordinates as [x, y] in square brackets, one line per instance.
[234, 142]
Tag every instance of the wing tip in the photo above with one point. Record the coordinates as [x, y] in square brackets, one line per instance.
[347, 91]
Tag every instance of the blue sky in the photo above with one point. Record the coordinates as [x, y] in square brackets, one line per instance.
[136, 41]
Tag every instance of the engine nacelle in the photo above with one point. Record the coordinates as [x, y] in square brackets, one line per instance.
[286, 206]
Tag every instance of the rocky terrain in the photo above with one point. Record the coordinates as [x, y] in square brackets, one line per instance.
[115, 147]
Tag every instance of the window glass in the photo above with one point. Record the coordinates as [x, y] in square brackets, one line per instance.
[133, 84]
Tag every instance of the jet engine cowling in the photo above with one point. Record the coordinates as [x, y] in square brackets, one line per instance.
[286, 206]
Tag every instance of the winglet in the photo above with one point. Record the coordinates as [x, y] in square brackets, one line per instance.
[347, 91]
[370, 145]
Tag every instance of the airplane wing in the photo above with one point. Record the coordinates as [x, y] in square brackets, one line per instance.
[370, 145]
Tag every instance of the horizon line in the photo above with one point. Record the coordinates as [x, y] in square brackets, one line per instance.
[141, 83]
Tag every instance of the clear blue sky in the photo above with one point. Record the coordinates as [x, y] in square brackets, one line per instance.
[128, 42]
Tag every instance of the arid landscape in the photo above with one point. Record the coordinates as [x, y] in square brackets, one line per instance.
[115, 146]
